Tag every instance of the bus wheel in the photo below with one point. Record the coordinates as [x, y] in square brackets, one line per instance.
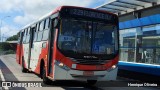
[24, 70]
[91, 82]
[45, 79]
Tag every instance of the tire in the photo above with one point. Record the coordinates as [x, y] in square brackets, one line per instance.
[24, 70]
[45, 79]
[91, 82]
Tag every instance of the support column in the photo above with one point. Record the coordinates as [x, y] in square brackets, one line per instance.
[138, 44]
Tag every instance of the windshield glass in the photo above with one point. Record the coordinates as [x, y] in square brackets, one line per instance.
[87, 37]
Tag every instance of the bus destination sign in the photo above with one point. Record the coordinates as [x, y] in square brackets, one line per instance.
[91, 14]
[88, 13]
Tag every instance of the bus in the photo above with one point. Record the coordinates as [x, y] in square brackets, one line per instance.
[71, 43]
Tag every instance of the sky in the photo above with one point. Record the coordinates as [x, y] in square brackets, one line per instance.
[15, 14]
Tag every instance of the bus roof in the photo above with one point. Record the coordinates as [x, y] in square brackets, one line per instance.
[42, 17]
[58, 9]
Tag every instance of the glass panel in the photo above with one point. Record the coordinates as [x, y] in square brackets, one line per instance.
[104, 41]
[151, 44]
[87, 37]
[35, 36]
[127, 44]
[37, 27]
[143, 44]
[28, 30]
[45, 34]
[19, 37]
[27, 39]
[39, 36]
[127, 54]
[26, 33]
[41, 26]
[47, 24]
[24, 39]
[24, 36]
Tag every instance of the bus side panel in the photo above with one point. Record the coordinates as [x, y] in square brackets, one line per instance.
[38, 52]
[18, 53]
[42, 56]
[35, 52]
[25, 54]
[21, 56]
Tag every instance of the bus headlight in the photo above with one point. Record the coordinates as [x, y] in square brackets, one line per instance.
[61, 65]
[112, 68]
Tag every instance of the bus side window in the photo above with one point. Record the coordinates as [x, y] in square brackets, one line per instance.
[28, 36]
[26, 32]
[46, 24]
[41, 27]
[24, 36]
[36, 32]
[19, 37]
[40, 32]
[29, 30]
[46, 30]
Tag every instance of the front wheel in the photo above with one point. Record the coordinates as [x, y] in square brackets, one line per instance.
[91, 82]
[45, 79]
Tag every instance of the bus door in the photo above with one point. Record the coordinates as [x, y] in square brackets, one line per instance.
[51, 47]
[26, 38]
[32, 31]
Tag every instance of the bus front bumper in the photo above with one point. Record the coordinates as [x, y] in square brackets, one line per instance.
[63, 74]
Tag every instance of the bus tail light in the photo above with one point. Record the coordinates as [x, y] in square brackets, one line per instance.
[61, 65]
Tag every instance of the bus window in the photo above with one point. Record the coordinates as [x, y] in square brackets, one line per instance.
[27, 35]
[24, 36]
[28, 30]
[36, 33]
[45, 34]
[46, 24]
[19, 37]
[104, 37]
[27, 38]
[37, 27]
[39, 37]
[46, 30]
[91, 37]
[41, 27]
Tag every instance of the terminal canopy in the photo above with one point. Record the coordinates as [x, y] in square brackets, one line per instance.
[120, 7]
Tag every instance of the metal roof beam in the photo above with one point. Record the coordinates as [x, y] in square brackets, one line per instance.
[130, 3]
[115, 9]
[145, 1]
[112, 10]
[121, 6]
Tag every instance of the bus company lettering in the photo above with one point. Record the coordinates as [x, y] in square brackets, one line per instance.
[91, 14]
[89, 56]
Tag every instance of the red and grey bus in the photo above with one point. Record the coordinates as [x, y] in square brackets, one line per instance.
[71, 43]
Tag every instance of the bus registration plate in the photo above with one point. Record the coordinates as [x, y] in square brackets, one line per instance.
[88, 73]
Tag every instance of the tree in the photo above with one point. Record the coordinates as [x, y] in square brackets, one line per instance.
[13, 38]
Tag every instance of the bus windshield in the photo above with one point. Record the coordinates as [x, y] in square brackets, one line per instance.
[78, 37]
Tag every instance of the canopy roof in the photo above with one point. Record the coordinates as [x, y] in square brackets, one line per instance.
[125, 6]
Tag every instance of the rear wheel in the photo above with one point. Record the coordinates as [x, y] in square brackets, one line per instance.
[91, 82]
[24, 70]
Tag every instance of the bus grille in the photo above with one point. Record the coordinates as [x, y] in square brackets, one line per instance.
[89, 62]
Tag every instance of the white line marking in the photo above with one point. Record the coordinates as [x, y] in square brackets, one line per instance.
[3, 80]
[2, 77]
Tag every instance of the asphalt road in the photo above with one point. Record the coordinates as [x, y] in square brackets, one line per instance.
[11, 71]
